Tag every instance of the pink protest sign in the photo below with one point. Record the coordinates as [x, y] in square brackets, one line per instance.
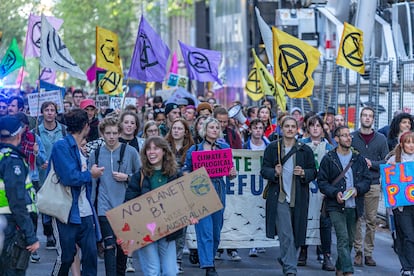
[217, 162]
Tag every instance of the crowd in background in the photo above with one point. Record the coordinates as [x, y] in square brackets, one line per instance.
[304, 153]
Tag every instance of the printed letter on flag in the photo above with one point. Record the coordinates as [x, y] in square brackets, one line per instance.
[202, 64]
[294, 62]
[33, 33]
[12, 60]
[111, 83]
[267, 83]
[107, 51]
[55, 55]
[48, 75]
[351, 49]
[253, 88]
[150, 57]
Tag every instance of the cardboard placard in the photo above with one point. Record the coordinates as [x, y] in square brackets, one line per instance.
[164, 210]
[116, 102]
[244, 216]
[102, 100]
[397, 182]
[175, 80]
[35, 101]
[217, 162]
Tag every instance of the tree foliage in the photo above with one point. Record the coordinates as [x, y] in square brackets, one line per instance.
[80, 20]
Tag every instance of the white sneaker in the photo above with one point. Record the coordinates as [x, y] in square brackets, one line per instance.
[34, 257]
[129, 265]
[235, 256]
[261, 250]
[253, 252]
[218, 256]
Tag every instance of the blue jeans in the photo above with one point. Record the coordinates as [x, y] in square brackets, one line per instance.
[209, 228]
[67, 236]
[114, 258]
[345, 227]
[158, 258]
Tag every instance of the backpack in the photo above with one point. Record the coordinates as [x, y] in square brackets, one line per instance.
[121, 155]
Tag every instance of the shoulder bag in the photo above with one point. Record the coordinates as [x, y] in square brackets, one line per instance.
[53, 198]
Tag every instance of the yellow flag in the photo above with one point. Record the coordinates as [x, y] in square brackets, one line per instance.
[351, 49]
[253, 88]
[111, 83]
[295, 62]
[261, 82]
[107, 51]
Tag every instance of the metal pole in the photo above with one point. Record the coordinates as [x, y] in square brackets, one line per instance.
[346, 94]
[376, 103]
[401, 101]
[370, 80]
[323, 85]
[357, 100]
[390, 111]
[336, 90]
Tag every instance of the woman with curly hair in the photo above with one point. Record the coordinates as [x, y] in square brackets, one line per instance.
[401, 123]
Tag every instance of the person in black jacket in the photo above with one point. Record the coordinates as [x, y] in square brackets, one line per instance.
[289, 166]
[158, 168]
[371, 145]
[14, 197]
[344, 200]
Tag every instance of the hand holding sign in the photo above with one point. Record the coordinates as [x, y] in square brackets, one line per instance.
[164, 210]
[217, 162]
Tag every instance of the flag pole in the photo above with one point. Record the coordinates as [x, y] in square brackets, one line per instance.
[124, 94]
[277, 107]
[38, 101]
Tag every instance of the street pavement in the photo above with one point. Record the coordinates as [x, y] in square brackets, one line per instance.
[265, 264]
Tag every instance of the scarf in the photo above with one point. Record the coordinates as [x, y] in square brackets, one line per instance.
[28, 141]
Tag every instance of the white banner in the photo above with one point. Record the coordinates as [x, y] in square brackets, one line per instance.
[244, 215]
[35, 101]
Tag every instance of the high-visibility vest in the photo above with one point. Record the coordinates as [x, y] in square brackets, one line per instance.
[4, 203]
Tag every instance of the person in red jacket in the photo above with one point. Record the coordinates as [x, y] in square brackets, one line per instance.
[231, 136]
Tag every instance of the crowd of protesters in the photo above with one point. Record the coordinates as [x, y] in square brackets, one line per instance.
[311, 162]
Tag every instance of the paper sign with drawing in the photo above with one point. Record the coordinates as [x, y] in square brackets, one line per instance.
[164, 210]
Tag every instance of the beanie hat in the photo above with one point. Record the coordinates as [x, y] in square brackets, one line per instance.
[169, 107]
[204, 105]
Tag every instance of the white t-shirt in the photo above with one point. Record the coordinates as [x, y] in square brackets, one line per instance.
[83, 203]
[287, 175]
[254, 147]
